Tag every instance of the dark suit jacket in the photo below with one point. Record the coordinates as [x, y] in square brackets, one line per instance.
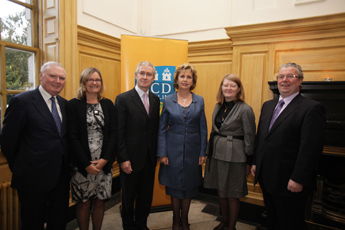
[136, 131]
[78, 136]
[31, 143]
[293, 146]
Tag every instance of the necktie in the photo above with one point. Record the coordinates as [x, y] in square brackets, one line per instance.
[276, 113]
[56, 115]
[146, 104]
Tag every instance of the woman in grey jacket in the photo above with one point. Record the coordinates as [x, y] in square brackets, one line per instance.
[231, 141]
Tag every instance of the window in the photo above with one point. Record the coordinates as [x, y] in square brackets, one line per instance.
[19, 51]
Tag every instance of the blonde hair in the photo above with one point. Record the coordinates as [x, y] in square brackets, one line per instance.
[240, 94]
[183, 67]
[81, 92]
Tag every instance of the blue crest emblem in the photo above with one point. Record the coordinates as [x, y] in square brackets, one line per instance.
[163, 83]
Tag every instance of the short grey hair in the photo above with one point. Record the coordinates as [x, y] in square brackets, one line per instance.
[291, 64]
[146, 63]
[50, 63]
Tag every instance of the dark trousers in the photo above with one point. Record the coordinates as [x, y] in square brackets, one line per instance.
[284, 212]
[52, 206]
[137, 187]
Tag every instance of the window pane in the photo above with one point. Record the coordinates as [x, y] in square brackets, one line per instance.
[20, 69]
[15, 23]
[25, 1]
[9, 97]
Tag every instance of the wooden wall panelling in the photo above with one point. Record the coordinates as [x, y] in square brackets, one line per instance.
[68, 43]
[103, 52]
[212, 60]
[320, 59]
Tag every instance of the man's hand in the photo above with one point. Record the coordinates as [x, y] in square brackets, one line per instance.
[126, 167]
[294, 186]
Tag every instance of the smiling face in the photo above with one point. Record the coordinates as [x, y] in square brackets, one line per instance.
[185, 80]
[289, 86]
[53, 79]
[93, 84]
[145, 77]
[230, 90]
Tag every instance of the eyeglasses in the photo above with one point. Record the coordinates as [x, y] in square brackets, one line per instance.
[289, 76]
[90, 80]
[142, 73]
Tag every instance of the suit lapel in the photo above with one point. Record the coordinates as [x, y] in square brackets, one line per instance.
[43, 109]
[138, 102]
[232, 115]
[293, 105]
[152, 103]
[63, 113]
[216, 110]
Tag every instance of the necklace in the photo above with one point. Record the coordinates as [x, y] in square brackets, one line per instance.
[226, 108]
[184, 99]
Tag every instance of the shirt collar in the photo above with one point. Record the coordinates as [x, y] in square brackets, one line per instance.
[288, 99]
[140, 91]
[46, 96]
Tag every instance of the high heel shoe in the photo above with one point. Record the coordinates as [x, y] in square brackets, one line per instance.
[221, 226]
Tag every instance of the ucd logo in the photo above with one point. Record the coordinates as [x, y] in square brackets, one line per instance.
[163, 83]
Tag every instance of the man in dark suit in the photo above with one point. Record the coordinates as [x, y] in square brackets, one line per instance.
[288, 146]
[35, 146]
[137, 118]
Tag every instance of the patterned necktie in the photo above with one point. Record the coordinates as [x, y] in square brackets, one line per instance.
[146, 104]
[56, 115]
[276, 113]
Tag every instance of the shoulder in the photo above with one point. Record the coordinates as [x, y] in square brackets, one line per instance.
[27, 95]
[244, 106]
[107, 102]
[73, 101]
[61, 100]
[126, 94]
[311, 105]
[198, 98]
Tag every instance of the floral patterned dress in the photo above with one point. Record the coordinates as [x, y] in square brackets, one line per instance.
[93, 186]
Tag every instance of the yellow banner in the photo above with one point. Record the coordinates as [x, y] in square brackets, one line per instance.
[166, 55]
[158, 51]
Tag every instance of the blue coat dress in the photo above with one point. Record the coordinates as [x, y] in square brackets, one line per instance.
[183, 141]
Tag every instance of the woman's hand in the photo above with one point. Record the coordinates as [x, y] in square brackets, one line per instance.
[253, 170]
[201, 160]
[99, 163]
[164, 160]
[92, 169]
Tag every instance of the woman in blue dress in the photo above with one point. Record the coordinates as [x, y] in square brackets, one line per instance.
[182, 141]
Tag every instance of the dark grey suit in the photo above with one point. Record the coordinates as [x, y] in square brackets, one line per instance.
[136, 142]
[290, 150]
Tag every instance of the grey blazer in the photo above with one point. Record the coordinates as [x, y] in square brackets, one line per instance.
[239, 122]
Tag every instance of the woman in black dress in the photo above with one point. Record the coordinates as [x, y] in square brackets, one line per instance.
[91, 124]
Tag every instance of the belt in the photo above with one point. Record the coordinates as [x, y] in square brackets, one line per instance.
[233, 137]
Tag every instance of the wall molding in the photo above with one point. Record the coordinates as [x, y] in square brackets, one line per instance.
[289, 30]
